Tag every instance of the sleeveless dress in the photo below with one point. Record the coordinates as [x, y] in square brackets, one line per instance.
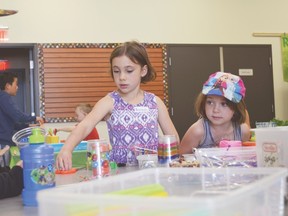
[208, 141]
[131, 125]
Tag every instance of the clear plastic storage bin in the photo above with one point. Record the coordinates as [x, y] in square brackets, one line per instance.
[227, 157]
[172, 191]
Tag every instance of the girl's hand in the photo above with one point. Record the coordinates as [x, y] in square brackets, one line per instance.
[40, 120]
[64, 160]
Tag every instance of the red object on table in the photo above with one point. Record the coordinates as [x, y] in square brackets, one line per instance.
[73, 170]
[249, 143]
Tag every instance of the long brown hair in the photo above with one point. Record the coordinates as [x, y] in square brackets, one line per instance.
[137, 54]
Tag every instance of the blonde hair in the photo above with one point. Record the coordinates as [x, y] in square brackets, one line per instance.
[85, 107]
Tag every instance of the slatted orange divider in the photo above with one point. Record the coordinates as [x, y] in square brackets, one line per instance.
[79, 73]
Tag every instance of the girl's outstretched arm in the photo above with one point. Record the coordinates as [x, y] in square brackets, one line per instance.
[101, 109]
[64, 129]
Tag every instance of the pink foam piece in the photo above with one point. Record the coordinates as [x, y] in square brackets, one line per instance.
[230, 143]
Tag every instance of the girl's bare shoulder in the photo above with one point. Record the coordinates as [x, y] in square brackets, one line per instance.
[197, 128]
[196, 132]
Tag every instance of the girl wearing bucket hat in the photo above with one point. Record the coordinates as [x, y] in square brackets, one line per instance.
[222, 114]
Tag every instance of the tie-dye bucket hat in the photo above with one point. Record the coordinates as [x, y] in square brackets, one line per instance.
[224, 84]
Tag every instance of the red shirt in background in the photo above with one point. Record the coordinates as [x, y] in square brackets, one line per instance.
[93, 135]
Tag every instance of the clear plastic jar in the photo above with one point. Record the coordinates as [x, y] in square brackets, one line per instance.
[98, 160]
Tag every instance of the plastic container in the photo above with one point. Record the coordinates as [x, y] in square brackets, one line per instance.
[38, 167]
[98, 162]
[82, 146]
[186, 161]
[147, 161]
[265, 124]
[79, 155]
[51, 139]
[245, 157]
[230, 143]
[167, 149]
[21, 138]
[135, 150]
[201, 191]
[272, 146]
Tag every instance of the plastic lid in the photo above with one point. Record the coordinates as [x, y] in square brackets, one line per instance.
[36, 137]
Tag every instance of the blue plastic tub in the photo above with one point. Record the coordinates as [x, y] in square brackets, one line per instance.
[81, 147]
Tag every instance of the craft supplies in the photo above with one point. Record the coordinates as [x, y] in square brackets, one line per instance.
[98, 160]
[245, 157]
[186, 160]
[51, 137]
[136, 153]
[230, 143]
[147, 161]
[167, 149]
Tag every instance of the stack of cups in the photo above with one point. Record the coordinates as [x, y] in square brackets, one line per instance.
[98, 162]
[167, 150]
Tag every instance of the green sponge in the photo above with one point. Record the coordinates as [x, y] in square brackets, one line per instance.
[145, 190]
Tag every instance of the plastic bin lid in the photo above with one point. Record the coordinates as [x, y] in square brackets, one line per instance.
[21, 138]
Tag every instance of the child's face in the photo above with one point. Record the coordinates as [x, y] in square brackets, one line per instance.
[12, 89]
[217, 110]
[79, 114]
[127, 75]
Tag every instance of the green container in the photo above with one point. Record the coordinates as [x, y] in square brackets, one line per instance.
[78, 157]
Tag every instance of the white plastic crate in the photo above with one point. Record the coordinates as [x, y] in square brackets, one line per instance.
[191, 191]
